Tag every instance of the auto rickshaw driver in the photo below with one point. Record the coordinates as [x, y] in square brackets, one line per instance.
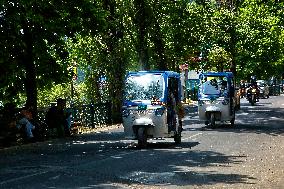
[171, 106]
[175, 111]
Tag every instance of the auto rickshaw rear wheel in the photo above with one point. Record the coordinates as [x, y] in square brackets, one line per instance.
[142, 137]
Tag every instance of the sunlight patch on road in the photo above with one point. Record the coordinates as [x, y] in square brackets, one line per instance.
[276, 118]
[150, 178]
[98, 142]
[255, 110]
[116, 157]
[192, 137]
[244, 113]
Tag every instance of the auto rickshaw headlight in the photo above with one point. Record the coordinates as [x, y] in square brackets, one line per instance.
[159, 111]
[149, 111]
[125, 112]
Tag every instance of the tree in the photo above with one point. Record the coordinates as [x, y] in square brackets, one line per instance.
[142, 20]
[219, 59]
[29, 28]
[260, 47]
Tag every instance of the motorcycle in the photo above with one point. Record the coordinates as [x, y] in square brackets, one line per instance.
[252, 95]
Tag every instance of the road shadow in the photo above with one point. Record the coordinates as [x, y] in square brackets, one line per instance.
[161, 167]
[152, 144]
[161, 164]
[121, 163]
[180, 168]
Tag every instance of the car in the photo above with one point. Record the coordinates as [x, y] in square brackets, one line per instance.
[274, 87]
[263, 88]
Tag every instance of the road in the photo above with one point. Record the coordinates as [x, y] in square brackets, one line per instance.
[249, 155]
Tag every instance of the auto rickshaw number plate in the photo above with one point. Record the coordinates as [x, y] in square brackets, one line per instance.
[141, 112]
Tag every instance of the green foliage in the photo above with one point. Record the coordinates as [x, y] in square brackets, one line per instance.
[219, 59]
[32, 34]
[260, 46]
[49, 95]
[108, 38]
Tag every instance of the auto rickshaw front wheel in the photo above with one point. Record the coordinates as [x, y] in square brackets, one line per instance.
[142, 137]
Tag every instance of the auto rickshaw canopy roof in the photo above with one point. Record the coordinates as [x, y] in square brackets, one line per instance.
[167, 73]
[217, 74]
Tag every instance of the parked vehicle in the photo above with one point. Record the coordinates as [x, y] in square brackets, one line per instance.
[192, 88]
[274, 86]
[152, 106]
[263, 88]
[217, 98]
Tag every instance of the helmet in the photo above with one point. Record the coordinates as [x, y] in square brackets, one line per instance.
[252, 79]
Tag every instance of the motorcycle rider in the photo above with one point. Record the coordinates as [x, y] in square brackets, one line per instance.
[253, 85]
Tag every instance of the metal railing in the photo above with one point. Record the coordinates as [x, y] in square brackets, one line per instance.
[88, 115]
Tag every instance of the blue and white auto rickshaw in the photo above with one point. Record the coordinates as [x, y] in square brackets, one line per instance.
[216, 98]
[150, 106]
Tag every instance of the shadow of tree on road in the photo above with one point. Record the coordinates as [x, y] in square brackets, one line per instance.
[179, 167]
[161, 164]
[105, 160]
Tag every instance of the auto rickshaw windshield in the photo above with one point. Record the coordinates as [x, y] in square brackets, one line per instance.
[144, 87]
[214, 85]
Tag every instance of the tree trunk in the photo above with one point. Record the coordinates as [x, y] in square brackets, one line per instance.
[30, 68]
[116, 62]
[160, 48]
[233, 43]
[141, 21]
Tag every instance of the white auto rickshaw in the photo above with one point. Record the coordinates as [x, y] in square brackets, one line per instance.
[216, 98]
[150, 106]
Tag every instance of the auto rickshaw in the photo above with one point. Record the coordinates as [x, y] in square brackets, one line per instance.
[152, 102]
[216, 98]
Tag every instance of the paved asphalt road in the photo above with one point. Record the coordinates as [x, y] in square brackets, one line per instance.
[249, 155]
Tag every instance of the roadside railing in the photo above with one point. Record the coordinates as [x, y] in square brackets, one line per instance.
[87, 115]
